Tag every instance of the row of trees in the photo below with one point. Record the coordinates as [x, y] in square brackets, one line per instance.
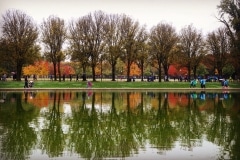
[99, 37]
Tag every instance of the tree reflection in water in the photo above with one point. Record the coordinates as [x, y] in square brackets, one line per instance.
[117, 124]
[17, 137]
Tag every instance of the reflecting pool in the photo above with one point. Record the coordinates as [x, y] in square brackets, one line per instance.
[119, 125]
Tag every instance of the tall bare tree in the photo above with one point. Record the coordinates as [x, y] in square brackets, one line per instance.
[218, 43]
[53, 36]
[142, 57]
[79, 43]
[87, 40]
[142, 49]
[192, 46]
[163, 38]
[133, 35]
[96, 38]
[114, 41]
[18, 41]
[229, 12]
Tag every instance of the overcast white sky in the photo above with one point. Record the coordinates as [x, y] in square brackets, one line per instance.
[179, 13]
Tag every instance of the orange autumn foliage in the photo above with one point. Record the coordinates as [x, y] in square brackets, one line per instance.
[135, 100]
[37, 99]
[43, 68]
[43, 99]
[134, 70]
[39, 68]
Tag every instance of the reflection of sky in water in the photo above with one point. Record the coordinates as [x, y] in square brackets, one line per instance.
[99, 108]
[67, 109]
[205, 152]
[38, 155]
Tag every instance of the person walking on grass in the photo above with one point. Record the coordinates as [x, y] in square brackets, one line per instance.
[225, 83]
[193, 83]
[89, 84]
[77, 78]
[26, 82]
[203, 83]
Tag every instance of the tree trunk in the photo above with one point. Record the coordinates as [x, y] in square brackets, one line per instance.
[195, 72]
[159, 73]
[84, 77]
[142, 72]
[19, 72]
[128, 71]
[189, 73]
[165, 67]
[113, 72]
[55, 71]
[59, 71]
[93, 74]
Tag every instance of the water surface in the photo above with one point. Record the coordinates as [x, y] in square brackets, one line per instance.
[119, 125]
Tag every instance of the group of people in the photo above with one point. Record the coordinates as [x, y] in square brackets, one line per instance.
[193, 83]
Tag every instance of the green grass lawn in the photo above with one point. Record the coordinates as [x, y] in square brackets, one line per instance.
[111, 84]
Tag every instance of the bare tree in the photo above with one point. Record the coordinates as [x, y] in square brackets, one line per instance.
[79, 43]
[218, 43]
[133, 36]
[96, 39]
[229, 12]
[142, 49]
[114, 41]
[19, 37]
[163, 38]
[192, 45]
[53, 37]
[87, 40]
[142, 57]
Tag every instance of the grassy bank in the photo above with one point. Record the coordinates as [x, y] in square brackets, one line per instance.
[111, 84]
